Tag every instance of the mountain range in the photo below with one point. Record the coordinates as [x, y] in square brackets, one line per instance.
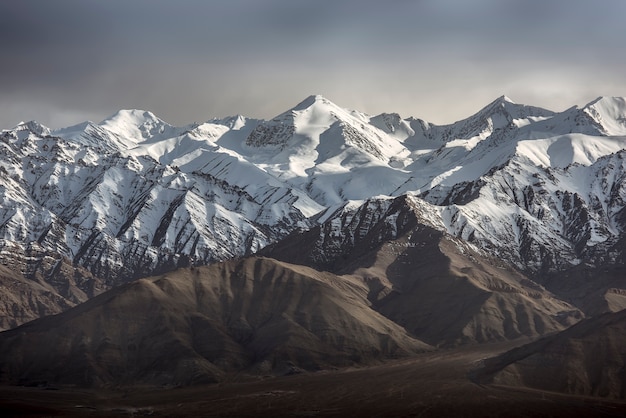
[381, 236]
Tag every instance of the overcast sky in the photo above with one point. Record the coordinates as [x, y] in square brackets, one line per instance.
[66, 61]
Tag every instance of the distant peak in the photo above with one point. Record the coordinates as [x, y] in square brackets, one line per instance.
[312, 100]
[315, 98]
[604, 100]
[136, 125]
[609, 113]
[34, 127]
[133, 114]
[514, 110]
[502, 100]
[233, 122]
[142, 119]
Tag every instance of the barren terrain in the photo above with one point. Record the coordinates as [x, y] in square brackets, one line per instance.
[429, 385]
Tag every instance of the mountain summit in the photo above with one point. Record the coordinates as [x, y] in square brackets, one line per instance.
[92, 206]
[313, 100]
[609, 113]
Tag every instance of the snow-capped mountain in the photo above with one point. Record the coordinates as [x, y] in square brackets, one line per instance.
[122, 215]
[133, 195]
[437, 286]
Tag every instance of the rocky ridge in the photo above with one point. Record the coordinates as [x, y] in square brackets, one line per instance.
[134, 196]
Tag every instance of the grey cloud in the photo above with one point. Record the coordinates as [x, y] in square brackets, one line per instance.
[192, 60]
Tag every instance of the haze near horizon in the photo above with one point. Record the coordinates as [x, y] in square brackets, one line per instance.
[187, 61]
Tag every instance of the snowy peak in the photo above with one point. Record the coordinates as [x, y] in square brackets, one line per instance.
[393, 125]
[502, 102]
[134, 126]
[321, 130]
[309, 110]
[604, 116]
[336, 129]
[34, 127]
[134, 117]
[232, 122]
[136, 189]
[503, 111]
[502, 105]
[319, 111]
[616, 104]
[494, 120]
[313, 100]
[609, 113]
[275, 133]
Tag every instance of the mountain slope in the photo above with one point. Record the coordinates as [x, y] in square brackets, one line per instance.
[134, 196]
[587, 359]
[439, 288]
[99, 208]
[196, 325]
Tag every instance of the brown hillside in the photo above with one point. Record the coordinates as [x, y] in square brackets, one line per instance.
[586, 359]
[197, 325]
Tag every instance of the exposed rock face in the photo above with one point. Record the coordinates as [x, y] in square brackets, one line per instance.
[436, 286]
[35, 283]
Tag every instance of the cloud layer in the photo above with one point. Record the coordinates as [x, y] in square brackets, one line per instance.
[190, 60]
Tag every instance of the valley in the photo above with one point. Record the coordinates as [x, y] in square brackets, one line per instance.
[428, 385]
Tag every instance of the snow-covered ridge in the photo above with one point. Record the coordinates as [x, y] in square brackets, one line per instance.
[133, 195]
[609, 113]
